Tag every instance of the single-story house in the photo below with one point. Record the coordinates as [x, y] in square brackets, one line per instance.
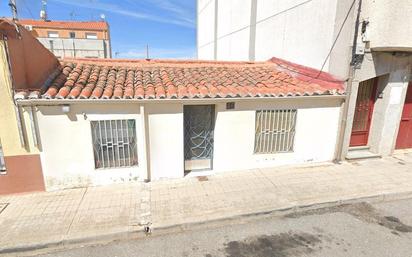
[102, 121]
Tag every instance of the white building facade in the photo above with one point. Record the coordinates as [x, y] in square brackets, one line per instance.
[366, 43]
[67, 148]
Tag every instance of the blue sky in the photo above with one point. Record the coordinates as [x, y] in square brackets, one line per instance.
[167, 26]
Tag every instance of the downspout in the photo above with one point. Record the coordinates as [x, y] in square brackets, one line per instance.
[17, 109]
[146, 143]
[351, 74]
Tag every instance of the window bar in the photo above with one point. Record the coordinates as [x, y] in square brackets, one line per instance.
[275, 130]
[112, 144]
[268, 131]
[264, 131]
[121, 129]
[94, 137]
[107, 145]
[118, 144]
[285, 123]
[272, 130]
[292, 140]
[288, 129]
[258, 131]
[128, 142]
[100, 142]
[278, 130]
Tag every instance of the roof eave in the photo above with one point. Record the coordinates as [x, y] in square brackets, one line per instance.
[28, 102]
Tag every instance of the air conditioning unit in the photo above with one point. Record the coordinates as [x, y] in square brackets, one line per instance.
[28, 27]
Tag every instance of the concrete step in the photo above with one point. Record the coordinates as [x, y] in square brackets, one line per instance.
[357, 148]
[361, 153]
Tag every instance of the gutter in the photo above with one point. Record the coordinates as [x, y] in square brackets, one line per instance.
[45, 102]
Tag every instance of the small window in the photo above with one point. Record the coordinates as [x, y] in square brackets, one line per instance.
[53, 34]
[91, 35]
[72, 34]
[275, 131]
[114, 143]
[2, 162]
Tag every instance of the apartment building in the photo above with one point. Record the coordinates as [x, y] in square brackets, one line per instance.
[80, 39]
[366, 43]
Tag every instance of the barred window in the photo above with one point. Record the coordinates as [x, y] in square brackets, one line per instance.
[2, 162]
[275, 131]
[114, 143]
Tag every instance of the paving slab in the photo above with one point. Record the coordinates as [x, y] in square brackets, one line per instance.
[37, 220]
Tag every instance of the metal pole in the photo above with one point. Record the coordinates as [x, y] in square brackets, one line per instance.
[352, 69]
[13, 7]
[147, 51]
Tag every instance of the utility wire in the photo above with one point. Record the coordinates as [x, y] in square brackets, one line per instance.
[337, 37]
[28, 9]
[260, 21]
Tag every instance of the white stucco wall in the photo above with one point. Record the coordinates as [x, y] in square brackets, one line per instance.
[67, 151]
[316, 134]
[315, 139]
[206, 29]
[165, 129]
[383, 17]
[295, 30]
[300, 31]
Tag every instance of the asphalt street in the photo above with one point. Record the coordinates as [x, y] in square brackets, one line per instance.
[362, 229]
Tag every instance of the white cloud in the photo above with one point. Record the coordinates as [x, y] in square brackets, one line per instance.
[180, 20]
[158, 53]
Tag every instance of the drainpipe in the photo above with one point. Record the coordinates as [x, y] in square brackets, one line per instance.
[146, 143]
[351, 75]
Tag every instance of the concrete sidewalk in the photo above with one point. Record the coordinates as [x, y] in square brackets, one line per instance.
[87, 215]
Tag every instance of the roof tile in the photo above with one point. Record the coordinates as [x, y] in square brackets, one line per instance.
[159, 79]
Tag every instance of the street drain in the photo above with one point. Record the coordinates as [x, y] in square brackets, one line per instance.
[202, 178]
[3, 207]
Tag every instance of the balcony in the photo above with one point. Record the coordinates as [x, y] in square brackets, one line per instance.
[390, 26]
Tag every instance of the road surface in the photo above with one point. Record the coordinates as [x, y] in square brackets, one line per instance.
[363, 229]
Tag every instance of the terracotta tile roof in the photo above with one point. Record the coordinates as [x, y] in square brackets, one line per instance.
[158, 79]
[86, 25]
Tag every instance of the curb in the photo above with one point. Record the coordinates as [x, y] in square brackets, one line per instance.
[138, 232]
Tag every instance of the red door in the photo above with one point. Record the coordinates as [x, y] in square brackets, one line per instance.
[363, 112]
[404, 139]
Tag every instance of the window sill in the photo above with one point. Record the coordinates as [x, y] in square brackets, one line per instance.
[3, 172]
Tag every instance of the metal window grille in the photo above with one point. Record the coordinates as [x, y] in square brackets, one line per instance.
[275, 131]
[114, 143]
[2, 162]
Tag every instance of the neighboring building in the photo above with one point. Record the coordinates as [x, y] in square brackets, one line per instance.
[80, 39]
[24, 64]
[320, 34]
[105, 121]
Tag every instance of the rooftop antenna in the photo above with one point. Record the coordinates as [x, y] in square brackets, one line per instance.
[13, 7]
[43, 11]
[147, 51]
[72, 15]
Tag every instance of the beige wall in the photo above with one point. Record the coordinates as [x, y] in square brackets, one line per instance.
[9, 133]
[31, 63]
[65, 33]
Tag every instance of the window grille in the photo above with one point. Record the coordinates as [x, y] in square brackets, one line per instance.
[2, 162]
[275, 131]
[114, 143]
